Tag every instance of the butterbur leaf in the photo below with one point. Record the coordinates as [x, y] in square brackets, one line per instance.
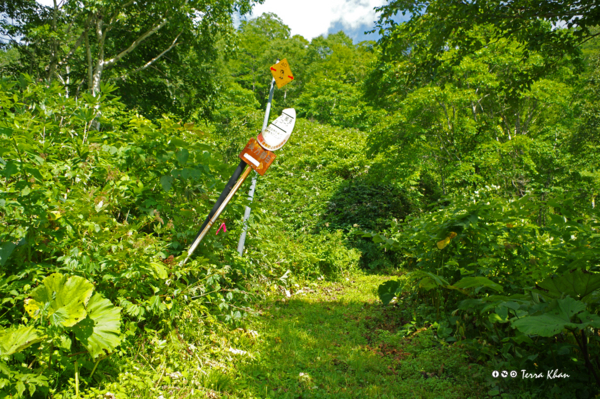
[546, 325]
[570, 307]
[473, 282]
[15, 340]
[59, 318]
[589, 319]
[387, 291]
[553, 322]
[65, 295]
[577, 284]
[100, 331]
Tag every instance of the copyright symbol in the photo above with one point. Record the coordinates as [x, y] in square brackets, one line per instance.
[513, 374]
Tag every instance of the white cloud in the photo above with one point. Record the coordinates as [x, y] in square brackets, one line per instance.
[312, 18]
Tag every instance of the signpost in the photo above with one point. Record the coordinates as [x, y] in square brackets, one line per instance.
[278, 132]
[257, 154]
[268, 138]
[282, 73]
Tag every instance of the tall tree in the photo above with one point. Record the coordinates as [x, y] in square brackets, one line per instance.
[518, 19]
[94, 41]
[472, 120]
[336, 69]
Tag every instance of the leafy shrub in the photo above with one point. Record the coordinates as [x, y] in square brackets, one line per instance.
[111, 199]
[484, 272]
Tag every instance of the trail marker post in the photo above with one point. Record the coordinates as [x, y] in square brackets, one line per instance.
[257, 154]
[282, 75]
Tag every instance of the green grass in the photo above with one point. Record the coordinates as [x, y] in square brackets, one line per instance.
[336, 340]
[328, 340]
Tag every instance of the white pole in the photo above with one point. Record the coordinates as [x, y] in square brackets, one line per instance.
[255, 175]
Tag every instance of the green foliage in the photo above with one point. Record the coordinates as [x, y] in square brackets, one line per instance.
[335, 103]
[262, 42]
[17, 339]
[499, 277]
[561, 317]
[522, 20]
[333, 94]
[59, 307]
[388, 290]
[162, 57]
[465, 154]
[109, 207]
[458, 127]
[60, 299]
[577, 284]
[234, 121]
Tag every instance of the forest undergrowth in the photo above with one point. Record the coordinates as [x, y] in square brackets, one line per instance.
[430, 230]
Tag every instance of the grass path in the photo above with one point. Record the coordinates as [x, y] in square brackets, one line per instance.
[334, 341]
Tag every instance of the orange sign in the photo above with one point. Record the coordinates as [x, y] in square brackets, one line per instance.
[282, 73]
[257, 157]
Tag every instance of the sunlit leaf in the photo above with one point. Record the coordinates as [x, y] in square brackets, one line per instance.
[100, 331]
[65, 295]
[14, 340]
[444, 243]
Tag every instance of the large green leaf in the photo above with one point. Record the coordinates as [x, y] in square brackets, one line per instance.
[159, 270]
[554, 321]
[589, 319]
[387, 291]
[577, 284]
[473, 282]
[429, 280]
[15, 340]
[65, 298]
[100, 331]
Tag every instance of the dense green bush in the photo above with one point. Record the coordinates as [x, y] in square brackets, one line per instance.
[98, 194]
[489, 276]
[318, 185]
